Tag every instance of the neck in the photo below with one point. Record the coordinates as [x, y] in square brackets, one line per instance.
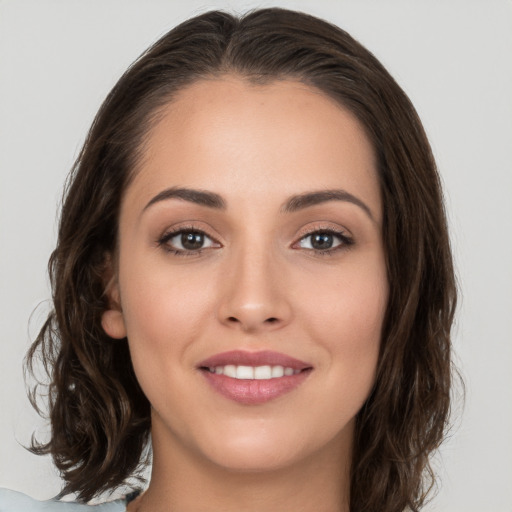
[182, 482]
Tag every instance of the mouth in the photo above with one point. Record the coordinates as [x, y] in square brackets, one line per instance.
[242, 372]
[253, 378]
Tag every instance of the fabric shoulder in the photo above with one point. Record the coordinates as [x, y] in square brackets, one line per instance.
[13, 501]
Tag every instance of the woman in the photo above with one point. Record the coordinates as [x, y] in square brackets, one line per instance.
[253, 267]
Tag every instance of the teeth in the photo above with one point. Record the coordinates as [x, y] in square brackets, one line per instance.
[230, 370]
[244, 372]
[253, 372]
[277, 371]
[262, 372]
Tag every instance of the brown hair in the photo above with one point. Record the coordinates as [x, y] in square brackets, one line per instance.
[99, 416]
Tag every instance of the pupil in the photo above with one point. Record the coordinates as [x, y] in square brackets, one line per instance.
[192, 241]
[322, 241]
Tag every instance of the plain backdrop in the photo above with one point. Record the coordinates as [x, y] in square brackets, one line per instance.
[58, 60]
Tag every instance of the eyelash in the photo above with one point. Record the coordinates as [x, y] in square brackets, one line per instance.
[166, 237]
[345, 241]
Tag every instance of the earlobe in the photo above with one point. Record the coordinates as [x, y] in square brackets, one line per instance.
[112, 322]
[112, 319]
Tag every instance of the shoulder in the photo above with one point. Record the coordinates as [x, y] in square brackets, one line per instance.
[12, 501]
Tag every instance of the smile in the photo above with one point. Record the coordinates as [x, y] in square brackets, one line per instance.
[252, 378]
[251, 372]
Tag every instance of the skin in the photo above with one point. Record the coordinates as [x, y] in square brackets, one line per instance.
[257, 285]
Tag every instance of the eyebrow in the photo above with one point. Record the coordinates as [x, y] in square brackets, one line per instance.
[301, 201]
[293, 204]
[200, 197]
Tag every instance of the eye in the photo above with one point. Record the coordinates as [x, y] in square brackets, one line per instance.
[187, 241]
[324, 241]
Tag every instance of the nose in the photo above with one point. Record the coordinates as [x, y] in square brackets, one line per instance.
[255, 297]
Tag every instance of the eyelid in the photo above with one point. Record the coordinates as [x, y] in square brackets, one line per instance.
[171, 232]
[343, 234]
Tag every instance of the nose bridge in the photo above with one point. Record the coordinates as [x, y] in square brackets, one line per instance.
[253, 293]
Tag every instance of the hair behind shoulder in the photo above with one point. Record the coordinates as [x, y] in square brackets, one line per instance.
[99, 416]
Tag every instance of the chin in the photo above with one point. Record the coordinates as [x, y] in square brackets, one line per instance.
[254, 457]
[271, 447]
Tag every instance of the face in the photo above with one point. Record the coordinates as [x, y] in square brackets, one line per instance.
[251, 279]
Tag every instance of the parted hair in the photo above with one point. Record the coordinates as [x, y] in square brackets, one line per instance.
[100, 418]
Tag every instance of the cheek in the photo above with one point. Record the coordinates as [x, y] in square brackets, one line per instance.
[158, 302]
[164, 317]
[346, 320]
[165, 312]
[351, 300]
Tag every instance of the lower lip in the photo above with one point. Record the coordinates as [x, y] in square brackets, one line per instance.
[254, 391]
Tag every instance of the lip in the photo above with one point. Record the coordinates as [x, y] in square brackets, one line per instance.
[253, 391]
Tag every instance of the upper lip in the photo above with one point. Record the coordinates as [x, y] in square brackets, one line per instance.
[261, 358]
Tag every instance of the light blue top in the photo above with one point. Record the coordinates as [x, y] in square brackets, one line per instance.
[12, 501]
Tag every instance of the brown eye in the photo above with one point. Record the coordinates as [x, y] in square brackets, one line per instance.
[192, 240]
[186, 241]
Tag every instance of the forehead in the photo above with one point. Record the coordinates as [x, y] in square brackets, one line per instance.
[229, 135]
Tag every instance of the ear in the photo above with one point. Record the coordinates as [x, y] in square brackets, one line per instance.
[112, 319]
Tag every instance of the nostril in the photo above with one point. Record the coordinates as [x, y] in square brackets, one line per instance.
[252, 320]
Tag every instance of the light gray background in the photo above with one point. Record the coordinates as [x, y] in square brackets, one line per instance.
[58, 59]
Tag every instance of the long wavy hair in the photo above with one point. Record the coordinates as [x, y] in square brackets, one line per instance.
[100, 418]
